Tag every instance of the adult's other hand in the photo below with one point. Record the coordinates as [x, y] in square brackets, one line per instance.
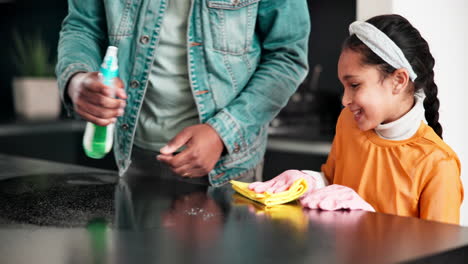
[203, 149]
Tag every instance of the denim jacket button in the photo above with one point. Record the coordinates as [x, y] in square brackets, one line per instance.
[144, 39]
[134, 84]
[124, 126]
[236, 148]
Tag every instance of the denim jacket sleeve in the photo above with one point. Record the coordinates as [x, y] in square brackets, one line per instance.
[283, 28]
[81, 43]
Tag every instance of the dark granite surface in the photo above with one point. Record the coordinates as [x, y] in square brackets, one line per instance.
[58, 213]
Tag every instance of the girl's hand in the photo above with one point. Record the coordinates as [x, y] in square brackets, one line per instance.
[335, 197]
[282, 182]
[94, 101]
[203, 149]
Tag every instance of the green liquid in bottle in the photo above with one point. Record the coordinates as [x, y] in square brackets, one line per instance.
[97, 140]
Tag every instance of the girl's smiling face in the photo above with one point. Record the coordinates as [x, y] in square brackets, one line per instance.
[368, 95]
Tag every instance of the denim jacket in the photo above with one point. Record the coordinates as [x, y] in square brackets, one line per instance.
[245, 59]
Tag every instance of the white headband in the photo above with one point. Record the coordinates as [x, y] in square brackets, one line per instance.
[381, 45]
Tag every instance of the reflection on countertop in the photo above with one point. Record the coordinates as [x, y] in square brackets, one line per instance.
[58, 213]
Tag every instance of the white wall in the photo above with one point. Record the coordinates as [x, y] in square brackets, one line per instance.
[369, 8]
[444, 24]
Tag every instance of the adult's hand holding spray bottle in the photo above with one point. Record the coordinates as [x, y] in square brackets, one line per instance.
[97, 140]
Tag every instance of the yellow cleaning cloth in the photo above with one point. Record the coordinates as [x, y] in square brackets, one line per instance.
[291, 212]
[297, 189]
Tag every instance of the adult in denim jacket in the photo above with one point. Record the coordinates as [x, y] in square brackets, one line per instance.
[245, 58]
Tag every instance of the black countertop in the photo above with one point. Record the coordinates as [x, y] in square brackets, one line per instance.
[58, 213]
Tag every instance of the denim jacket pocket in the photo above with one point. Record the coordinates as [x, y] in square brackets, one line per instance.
[121, 17]
[232, 25]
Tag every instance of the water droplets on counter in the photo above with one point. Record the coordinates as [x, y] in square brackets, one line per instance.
[63, 200]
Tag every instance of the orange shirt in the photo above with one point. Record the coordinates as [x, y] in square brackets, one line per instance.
[419, 176]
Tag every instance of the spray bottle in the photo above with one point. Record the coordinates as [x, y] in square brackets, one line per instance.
[97, 140]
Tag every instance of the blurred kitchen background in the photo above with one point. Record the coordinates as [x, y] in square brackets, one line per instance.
[300, 135]
[33, 124]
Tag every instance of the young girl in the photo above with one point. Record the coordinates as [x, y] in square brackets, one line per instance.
[384, 156]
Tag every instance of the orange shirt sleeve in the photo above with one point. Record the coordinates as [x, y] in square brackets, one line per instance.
[442, 195]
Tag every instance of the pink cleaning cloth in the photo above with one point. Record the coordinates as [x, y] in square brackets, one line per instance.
[335, 197]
